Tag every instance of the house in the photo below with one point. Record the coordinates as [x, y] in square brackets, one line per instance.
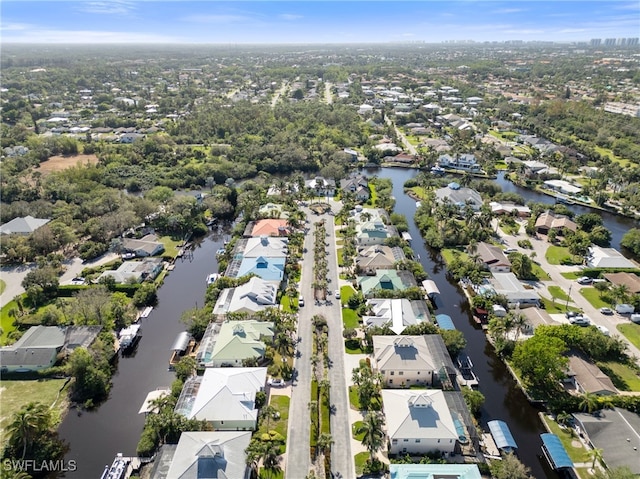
[533, 167]
[251, 297]
[418, 422]
[466, 162]
[548, 221]
[563, 187]
[130, 137]
[508, 208]
[224, 397]
[493, 258]
[586, 377]
[320, 186]
[265, 246]
[403, 159]
[135, 271]
[269, 227]
[434, 471]
[214, 454]
[146, 246]
[617, 432]
[269, 269]
[358, 185]
[404, 361]
[272, 210]
[37, 349]
[630, 280]
[508, 285]
[377, 257]
[386, 279]
[236, 341]
[397, 313]
[459, 196]
[607, 258]
[373, 232]
[22, 226]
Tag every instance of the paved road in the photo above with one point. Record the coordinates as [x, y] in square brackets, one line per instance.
[298, 460]
[540, 246]
[328, 97]
[405, 142]
[279, 93]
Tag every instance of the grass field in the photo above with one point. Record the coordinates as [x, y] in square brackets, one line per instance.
[593, 296]
[419, 191]
[555, 254]
[360, 460]
[448, 254]
[350, 318]
[558, 293]
[509, 229]
[281, 404]
[354, 427]
[577, 454]
[170, 246]
[556, 307]
[15, 394]
[340, 257]
[345, 293]
[353, 346]
[631, 331]
[623, 377]
[572, 275]
[539, 273]
[6, 321]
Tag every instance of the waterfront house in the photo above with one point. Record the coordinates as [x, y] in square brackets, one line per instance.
[263, 246]
[396, 313]
[466, 162]
[358, 185]
[376, 257]
[239, 340]
[607, 258]
[145, 246]
[418, 422]
[459, 196]
[386, 279]
[372, 233]
[508, 285]
[508, 208]
[269, 269]
[404, 361]
[269, 227]
[22, 226]
[493, 258]
[37, 349]
[563, 187]
[320, 186]
[135, 271]
[251, 297]
[224, 397]
[630, 280]
[586, 377]
[548, 221]
[214, 454]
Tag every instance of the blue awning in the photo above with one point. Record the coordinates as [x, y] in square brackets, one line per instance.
[502, 436]
[555, 451]
[445, 322]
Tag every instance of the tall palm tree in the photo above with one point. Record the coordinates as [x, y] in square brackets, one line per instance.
[271, 458]
[267, 413]
[253, 454]
[28, 424]
[324, 442]
[596, 456]
[372, 428]
[620, 293]
[588, 402]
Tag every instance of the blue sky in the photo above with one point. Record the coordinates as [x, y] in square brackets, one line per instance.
[139, 21]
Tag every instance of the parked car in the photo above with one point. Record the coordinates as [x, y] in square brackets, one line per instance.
[337, 294]
[276, 383]
[301, 301]
[624, 308]
[635, 318]
[510, 250]
[603, 329]
[580, 321]
[607, 311]
[571, 314]
[585, 280]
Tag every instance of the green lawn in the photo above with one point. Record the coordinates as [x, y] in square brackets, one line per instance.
[281, 404]
[340, 257]
[288, 305]
[631, 331]
[15, 394]
[264, 474]
[556, 307]
[3, 286]
[448, 254]
[353, 346]
[572, 274]
[558, 293]
[555, 254]
[374, 194]
[539, 273]
[345, 293]
[510, 229]
[577, 454]
[325, 417]
[501, 165]
[624, 377]
[6, 321]
[170, 246]
[360, 459]
[355, 426]
[350, 318]
[593, 296]
[419, 191]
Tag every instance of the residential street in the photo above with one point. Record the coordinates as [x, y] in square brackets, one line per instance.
[298, 460]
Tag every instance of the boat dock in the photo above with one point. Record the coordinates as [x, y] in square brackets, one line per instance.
[121, 468]
[407, 237]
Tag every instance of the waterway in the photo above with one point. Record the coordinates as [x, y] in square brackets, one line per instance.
[95, 437]
[504, 400]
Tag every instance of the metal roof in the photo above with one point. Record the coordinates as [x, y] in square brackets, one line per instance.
[555, 451]
[445, 322]
[502, 435]
[181, 342]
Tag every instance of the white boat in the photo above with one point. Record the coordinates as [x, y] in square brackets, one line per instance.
[418, 204]
[212, 278]
[128, 336]
[466, 376]
[146, 312]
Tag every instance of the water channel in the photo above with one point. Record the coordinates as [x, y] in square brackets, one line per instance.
[115, 426]
[504, 400]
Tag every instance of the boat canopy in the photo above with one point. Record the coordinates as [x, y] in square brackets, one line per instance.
[502, 436]
[555, 451]
[181, 342]
[445, 322]
[430, 287]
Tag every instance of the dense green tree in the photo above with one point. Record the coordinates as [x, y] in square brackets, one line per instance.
[540, 361]
[509, 467]
[631, 241]
[372, 428]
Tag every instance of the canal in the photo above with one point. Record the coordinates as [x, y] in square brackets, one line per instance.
[95, 437]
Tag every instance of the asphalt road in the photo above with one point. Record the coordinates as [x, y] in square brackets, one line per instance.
[298, 459]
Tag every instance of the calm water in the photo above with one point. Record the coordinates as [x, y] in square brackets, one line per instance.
[96, 437]
[504, 400]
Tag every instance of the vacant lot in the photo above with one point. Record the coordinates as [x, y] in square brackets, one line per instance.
[58, 163]
[15, 394]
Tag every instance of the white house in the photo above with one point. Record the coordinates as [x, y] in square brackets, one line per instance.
[466, 162]
[418, 422]
[251, 297]
[459, 196]
[397, 313]
[321, 186]
[607, 258]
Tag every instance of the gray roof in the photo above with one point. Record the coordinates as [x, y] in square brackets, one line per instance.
[211, 454]
[410, 353]
[41, 337]
[617, 432]
[28, 358]
[459, 196]
[23, 226]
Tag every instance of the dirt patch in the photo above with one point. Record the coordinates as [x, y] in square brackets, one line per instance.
[59, 163]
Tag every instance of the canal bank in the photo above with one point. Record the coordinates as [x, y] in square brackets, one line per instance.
[504, 399]
[95, 437]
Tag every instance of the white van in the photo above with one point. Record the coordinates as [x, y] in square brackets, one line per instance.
[624, 308]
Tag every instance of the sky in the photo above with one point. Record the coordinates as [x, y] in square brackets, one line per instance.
[329, 21]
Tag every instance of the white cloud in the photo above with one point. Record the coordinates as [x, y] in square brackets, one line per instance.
[224, 18]
[12, 27]
[290, 16]
[86, 36]
[524, 31]
[508, 10]
[113, 7]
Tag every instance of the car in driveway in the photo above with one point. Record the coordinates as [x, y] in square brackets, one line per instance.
[580, 321]
[276, 383]
[584, 280]
[510, 250]
[571, 314]
[607, 311]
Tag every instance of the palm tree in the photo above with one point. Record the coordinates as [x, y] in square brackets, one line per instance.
[588, 402]
[620, 293]
[324, 442]
[596, 456]
[28, 424]
[253, 453]
[267, 413]
[271, 458]
[372, 428]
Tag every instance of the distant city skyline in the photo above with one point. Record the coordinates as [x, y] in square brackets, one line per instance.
[281, 22]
